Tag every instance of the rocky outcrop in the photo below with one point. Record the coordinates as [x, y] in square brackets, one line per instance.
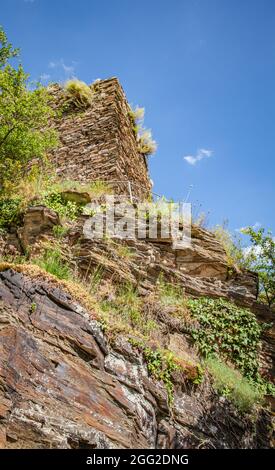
[201, 270]
[63, 386]
[38, 220]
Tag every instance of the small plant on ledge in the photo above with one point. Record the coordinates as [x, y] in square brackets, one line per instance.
[78, 94]
[146, 144]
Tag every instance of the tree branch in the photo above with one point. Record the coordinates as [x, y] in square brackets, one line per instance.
[7, 135]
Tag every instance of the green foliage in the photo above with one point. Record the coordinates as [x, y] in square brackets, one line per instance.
[59, 231]
[231, 384]
[233, 247]
[53, 262]
[33, 307]
[227, 331]
[24, 118]
[78, 94]
[262, 261]
[200, 375]
[65, 209]
[6, 50]
[10, 213]
[161, 364]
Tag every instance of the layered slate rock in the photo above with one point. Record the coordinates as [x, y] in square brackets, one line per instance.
[63, 386]
[38, 220]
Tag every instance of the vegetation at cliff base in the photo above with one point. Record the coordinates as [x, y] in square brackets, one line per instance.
[227, 331]
[231, 384]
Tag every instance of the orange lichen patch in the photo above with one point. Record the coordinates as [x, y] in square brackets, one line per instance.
[75, 289]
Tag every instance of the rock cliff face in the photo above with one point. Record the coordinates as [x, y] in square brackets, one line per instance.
[63, 386]
[64, 382]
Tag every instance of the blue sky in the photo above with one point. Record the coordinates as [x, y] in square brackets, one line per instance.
[203, 69]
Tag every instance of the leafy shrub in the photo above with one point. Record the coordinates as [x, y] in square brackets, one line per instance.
[78, 94]
[65, 209]
[52, 261]
[160, 363]
[227, 331]
[10, 213]
[231, 384]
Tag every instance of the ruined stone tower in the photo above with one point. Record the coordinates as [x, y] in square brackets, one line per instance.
[99, 144]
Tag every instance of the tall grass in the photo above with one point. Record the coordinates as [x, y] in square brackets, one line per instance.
[52, 262]
[230, 383]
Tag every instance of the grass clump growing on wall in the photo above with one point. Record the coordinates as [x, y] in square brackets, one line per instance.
[78, 94]
[146, 144]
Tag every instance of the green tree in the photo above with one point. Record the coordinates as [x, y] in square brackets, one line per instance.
[232, 245]
[6, 49]
[24, 118]
[262, 254]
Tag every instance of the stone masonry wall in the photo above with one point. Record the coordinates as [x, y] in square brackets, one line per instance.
[99, 144]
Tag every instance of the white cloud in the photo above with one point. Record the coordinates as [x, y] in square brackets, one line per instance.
[68, 69]
[200, 155]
